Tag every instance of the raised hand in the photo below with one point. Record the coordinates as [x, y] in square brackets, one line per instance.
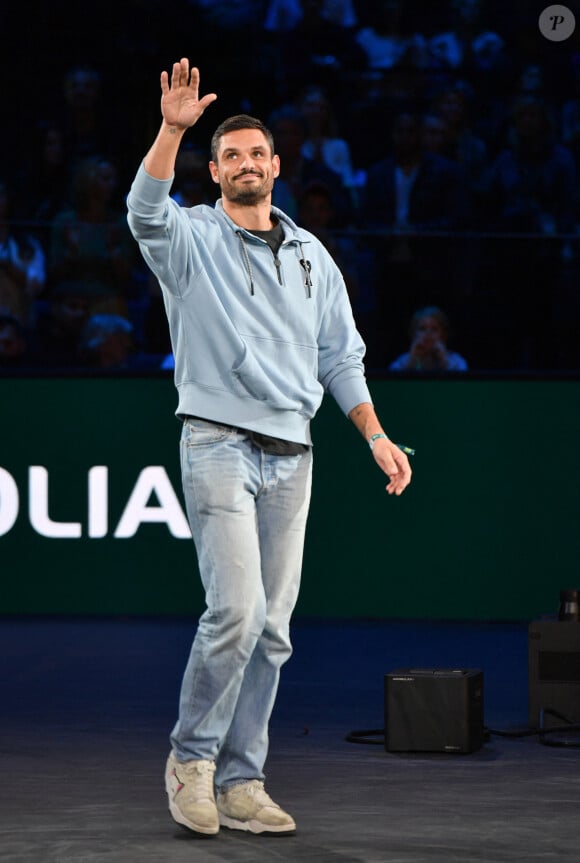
[180, 103]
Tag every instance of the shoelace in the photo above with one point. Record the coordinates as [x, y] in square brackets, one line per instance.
[257, 790]
[202, 775]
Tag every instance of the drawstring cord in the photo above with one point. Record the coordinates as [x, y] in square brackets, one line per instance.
[247, 262]
[303, 263]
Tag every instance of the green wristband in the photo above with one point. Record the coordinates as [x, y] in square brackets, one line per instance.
[375, 437]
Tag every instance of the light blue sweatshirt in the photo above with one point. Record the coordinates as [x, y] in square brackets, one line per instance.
[257, 340]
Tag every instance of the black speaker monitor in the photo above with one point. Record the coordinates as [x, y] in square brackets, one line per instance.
[553, 672]
[433, 710]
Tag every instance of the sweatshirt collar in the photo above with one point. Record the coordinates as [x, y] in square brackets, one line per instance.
[291, 230]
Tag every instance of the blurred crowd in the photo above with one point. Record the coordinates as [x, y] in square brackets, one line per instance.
[434, 149]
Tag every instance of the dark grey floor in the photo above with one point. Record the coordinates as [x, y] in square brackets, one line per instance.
[87, 706]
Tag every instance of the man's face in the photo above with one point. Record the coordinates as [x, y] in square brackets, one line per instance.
[428, 332]
[245, 167]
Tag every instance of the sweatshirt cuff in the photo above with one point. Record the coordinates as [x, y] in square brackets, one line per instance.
[350, 392]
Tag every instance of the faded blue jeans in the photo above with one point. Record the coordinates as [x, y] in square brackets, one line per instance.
[247, 511]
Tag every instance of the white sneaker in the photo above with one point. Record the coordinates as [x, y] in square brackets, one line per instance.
[189, 786]
[247, 807]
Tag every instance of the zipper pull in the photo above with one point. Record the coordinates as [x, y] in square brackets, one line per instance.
[278, 265]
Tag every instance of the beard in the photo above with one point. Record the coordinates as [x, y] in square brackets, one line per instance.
[247, 196]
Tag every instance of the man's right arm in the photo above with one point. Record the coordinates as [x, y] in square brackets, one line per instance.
[160, 160]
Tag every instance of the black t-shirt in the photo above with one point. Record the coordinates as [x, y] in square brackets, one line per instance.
[274, 237]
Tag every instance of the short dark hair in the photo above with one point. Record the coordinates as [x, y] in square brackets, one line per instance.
[234, 124]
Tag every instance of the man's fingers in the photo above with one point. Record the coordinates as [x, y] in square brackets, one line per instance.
[175, 75]
[194, 79]
[207, 100]
[184, 72]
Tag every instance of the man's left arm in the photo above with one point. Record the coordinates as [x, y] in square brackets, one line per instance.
[387, 455]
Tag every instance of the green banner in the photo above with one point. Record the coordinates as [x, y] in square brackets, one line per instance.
[92, 519]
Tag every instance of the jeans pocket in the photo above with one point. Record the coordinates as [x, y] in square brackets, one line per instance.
[198, 432]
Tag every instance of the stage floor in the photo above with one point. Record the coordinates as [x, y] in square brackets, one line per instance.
[87, 706]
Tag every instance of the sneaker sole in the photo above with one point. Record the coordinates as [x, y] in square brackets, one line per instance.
[257, 827]
[180, 819]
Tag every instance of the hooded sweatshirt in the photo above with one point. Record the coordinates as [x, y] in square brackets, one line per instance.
[258, 339]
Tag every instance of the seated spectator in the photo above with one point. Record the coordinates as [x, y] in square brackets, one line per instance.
[44, 179]
[107, 343]
[22, 266]
[287, 14]
[428, 351]
[467, 45]
[85, 116]
[531, 191]
[411, 194]
[411, 189]
[56, 339]
[434, 133]
[287, 125]
[460, 143]
[323, 143]
[532, 181]
[386, 42]
[569, 123]
[91, 240]
[311, 41]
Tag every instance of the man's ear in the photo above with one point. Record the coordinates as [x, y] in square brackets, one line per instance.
[214, 172]
[276, 166]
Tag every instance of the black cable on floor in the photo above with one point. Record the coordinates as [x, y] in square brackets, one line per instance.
[359, 736]
[369, 736]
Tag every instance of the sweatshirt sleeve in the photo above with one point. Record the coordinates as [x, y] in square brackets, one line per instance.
[341, 349]
[163, 233]
[147, 200]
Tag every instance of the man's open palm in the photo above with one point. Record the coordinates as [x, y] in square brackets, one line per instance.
[180, 102]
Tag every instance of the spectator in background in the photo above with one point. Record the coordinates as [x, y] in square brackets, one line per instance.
[411, 188]
[44, 179]
[90, 240]
[297, 171]
[460, 143]
[569, 123]
[107, 343]
[283, 15]
[467, 45]
[385, 40]
[408, 194]
[428, 351]
[83, 117]
[323, 143]
[531, 182]
[392, 78]
[22, 266]
[311, 41]
[225, 28]
[57, 336]
[531, 191]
